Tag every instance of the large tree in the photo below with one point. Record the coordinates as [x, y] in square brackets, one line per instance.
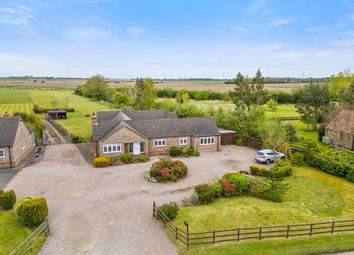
[258, 88]
[340, 83]
[96, 87]
[145, 94]
[313, 104]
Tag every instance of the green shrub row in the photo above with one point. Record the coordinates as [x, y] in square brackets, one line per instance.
[126, 158]
[175, 151]
[38, 109]
[280, 171]
[7, 199]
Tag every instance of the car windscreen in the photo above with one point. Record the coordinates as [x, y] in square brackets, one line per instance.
[260, 153]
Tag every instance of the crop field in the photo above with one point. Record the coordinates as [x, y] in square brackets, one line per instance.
[178, 85]
[76, 123]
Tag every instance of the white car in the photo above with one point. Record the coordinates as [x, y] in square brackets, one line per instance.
[268, 156]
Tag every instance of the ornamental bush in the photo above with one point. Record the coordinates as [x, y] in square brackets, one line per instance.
[203, 194]
[169, 210]
[102, 162]
[228, 189]
[144, 158]
[127, 158]
[241, 182]
[167, 169]
[217, 188]
[175, 151]
[297, 159]
[31, 211]
[280, 172]
[7, 199]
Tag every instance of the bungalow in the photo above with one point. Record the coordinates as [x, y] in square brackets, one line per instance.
[151, 133]
[341, 130]
[17, 141]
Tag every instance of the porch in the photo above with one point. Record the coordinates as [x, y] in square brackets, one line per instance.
[137, 149]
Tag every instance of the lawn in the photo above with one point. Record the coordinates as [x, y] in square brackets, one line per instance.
[283, 110]
[22, 100]
[314, 197]
[12, 233]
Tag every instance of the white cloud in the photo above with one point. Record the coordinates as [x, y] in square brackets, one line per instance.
[292, 54]
[136, 31]
[315, 29]
[17, 15]
[255, 5]
[322, 53]
[86, 33]
[280, 22]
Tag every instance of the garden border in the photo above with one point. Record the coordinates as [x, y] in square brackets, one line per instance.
[259, 233]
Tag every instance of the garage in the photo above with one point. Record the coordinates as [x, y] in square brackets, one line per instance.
[228, 137]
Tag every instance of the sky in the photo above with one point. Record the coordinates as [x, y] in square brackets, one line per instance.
[176, 38]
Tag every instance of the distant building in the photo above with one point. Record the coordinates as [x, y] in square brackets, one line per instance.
[17, 141]
[341, 130]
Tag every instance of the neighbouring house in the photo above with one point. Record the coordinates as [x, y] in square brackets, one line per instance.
[341, 130]
[150, 133]
[17, 142]
[57, 115]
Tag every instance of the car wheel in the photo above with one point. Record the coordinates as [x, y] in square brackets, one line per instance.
[267, 161]
[283, 158]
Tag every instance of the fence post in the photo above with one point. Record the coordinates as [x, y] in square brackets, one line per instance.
[238, 234]
[187, 231]
[287, 231]
[332, 227]
[47, 225]
[30, 244]
[176, 233]
[311, 229]
[153, 209]
[213, 237]
[260, 233]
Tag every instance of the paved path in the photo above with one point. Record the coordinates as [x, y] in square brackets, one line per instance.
[109, 211]
[6, 175]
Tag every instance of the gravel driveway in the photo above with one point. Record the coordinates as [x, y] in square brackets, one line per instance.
[109, 211]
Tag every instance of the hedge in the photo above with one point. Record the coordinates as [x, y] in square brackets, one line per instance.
[283, 171]
[102, 162]
[127, 158]
[7, 199]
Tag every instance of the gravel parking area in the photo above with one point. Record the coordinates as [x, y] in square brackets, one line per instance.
[109, 211]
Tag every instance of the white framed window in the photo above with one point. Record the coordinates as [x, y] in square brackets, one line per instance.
[183, 141]
[23, 145]
[159, 142]
[2, 153]
[207, 140]
[112, 148]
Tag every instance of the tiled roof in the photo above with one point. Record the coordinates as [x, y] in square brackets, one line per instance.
[8, 130]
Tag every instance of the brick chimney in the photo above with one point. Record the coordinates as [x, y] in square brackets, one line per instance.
[6, 114]
[94, 119]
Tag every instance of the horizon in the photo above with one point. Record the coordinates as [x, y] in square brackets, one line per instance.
[176, 39]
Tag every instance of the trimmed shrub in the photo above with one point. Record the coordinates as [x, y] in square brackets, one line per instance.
[297, 159]
[31, 211]
[167, 169]
[217, 188]
[127, 158]
[175, 151]
[241, 182]
[77, 139]
[7, 199]
[204, 193]
[239, 142]
[258, 170]
[102, 162]
[228, 189]
[350, 176]
[144, 158]
[169, 210]
[192, 152]
[278, 172]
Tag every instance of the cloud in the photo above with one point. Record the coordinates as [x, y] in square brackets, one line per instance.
[255, 5]
[239, 28]
[136, 31]
[280, 22]
[315, 29]
[292, 54]
[351, 16]
[17, 15]
[86, 33]
[322, 53]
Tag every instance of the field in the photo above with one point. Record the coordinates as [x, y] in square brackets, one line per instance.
[76, 123]
[314, 197]
[12, 233]
[178, 85]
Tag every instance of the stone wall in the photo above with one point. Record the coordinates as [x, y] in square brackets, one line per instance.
[340, 139]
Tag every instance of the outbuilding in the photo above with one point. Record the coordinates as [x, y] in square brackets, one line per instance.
[227, 136]
[57, 115]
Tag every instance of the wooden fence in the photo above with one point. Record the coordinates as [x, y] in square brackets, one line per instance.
[259, 233]
[26, 247]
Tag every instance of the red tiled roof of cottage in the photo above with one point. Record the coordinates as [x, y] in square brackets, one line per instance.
[343, 122]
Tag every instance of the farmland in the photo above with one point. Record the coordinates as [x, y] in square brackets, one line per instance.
[77, 123]
[217, 85]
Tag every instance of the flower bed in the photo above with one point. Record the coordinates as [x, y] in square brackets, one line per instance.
[166, 170]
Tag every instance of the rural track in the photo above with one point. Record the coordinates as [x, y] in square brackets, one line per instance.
[54, 136]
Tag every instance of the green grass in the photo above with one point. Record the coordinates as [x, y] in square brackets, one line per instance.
[14, 96]
[22, 100]
[314, 196]
[283, 110]
[12, 233]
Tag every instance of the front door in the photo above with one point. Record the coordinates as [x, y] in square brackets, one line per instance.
[136, 148]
